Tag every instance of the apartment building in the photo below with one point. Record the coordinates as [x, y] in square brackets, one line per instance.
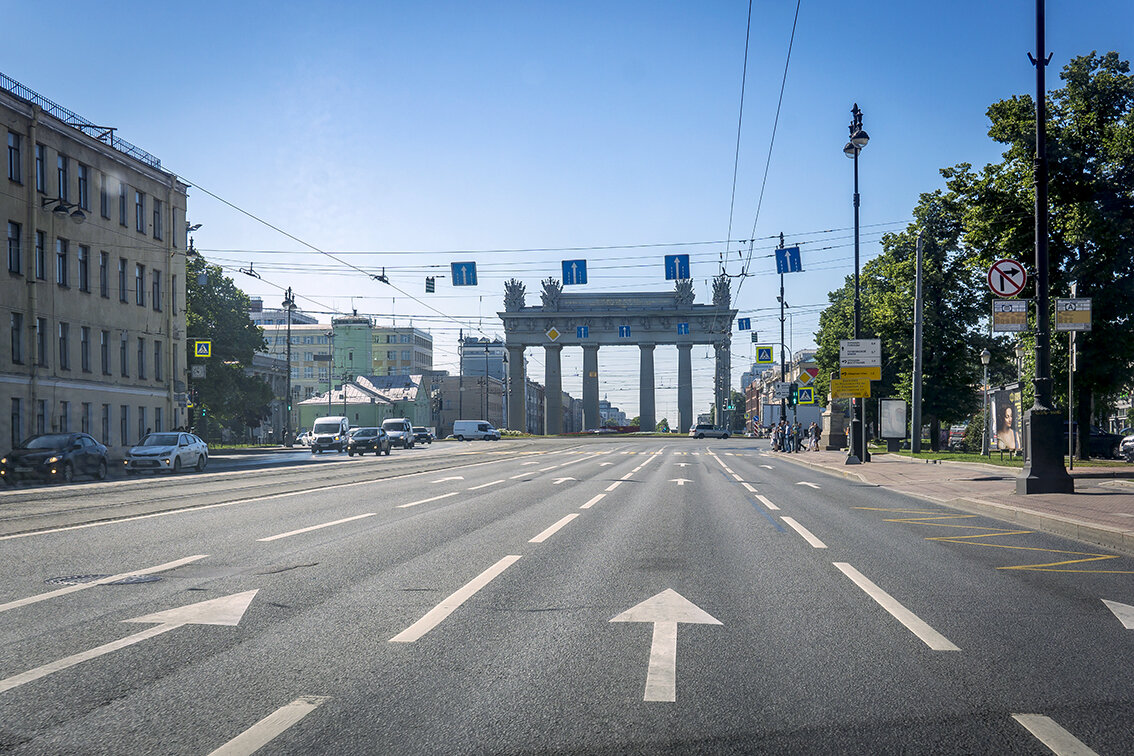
[94, 294]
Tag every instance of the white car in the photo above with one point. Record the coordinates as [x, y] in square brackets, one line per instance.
[172, 452]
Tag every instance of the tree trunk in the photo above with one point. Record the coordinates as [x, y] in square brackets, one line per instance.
[1083, 418]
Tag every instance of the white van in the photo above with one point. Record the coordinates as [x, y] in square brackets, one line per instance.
[329, 433]
[473, 429]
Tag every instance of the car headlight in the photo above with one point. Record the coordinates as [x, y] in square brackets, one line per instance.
[3, 461]
[53, 460]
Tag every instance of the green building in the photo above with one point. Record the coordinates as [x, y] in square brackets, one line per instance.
[367, 400]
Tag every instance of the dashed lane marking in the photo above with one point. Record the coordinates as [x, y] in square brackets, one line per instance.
[549, 532]
[1046, 731]
[593, 501]
[807, 534]
[259, 734]
[317, 527]
[437, 614]
[912, 622]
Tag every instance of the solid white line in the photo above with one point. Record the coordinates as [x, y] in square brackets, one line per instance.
[913, 623]
[261, 733]
[437, 614]
[807, 534]
[1061, 742]
[614, 485]
[738, 477]
[553, 529]
[592, 502]
[316, 527]
[750, 488]
[486, 485]
[102, 581]
[768, 504]
[426, 501]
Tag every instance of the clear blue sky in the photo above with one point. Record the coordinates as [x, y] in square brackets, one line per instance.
[399, 133]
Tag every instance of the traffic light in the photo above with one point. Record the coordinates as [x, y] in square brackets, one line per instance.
[793, 398]
[430, 284]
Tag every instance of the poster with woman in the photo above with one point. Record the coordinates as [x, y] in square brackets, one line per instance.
[1005, 413]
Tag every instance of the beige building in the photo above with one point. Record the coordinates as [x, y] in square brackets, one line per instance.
[94, 297]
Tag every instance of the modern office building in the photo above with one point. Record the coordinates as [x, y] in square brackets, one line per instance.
[94, 296]
[482, 357]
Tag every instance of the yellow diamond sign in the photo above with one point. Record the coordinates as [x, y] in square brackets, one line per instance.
[553, 334]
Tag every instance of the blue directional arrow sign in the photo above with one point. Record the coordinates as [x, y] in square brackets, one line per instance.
[464, 273]
[582, 332]
[781, 261]
[574, 272]
[682, 329]
[623, 332]
[795, 264]
[676, 267]
[744, 324]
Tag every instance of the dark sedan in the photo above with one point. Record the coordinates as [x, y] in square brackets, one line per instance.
[363, 440]
[55, 457]
[1101, 444]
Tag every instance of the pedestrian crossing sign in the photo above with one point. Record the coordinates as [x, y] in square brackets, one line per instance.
[202, 349]
[806, 395]
[764, 355]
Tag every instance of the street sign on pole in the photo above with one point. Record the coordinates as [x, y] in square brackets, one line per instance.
[850, 388]
[464, 273]
[869, 373]
[1009, 315]
[806, 395]
[676, 267]
[744, 324]
[624, 332]
[1006, 278]
[582, 332]
[860, 353]
[781, 389]
[574, 272]
[765, 356]
[1073, 314]
[682, 329]
[788, 260]
[202, 349]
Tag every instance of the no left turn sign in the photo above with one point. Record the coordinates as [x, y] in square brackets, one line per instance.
[1006, 278]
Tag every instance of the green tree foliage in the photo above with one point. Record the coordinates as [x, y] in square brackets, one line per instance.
[218, 311]
[1091, 164]
[662, 426]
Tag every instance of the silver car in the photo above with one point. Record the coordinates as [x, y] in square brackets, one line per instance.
[172, 452]
[705, 430]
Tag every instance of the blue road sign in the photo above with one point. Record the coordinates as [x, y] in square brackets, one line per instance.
[781, 261]
[805, 395]
[795, 264]
[582, 332]
[676, 267]
[682, 329]
[744, 324]
[623, 332]
[464, 273]
[764, 356]
[574, 272]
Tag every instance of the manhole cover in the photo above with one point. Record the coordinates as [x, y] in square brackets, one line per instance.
[80, 579]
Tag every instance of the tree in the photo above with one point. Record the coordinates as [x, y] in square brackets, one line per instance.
[218, 311]
[1090, 135]
[662, 426]
[636, 421]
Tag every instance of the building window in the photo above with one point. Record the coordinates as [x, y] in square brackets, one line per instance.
[173, 295]
[104, 351]
[40, 256]
[65, 417]
[85, 349]
[41, 342]
[392, 354]
[141, 358]
[64, 180]
[103, 197]
[122, 279]
[157, 360]
[17, 338]
[84, 183]
[407, 355]
[309, 372]
[61, 264]
[308, 339]
[157, 220]
[41, 416]
[64, 346]
[309, 356]
[123, 356]
[86, 418]
[17, 422]
[156, 276]
[157, 420]
[139, 211]
[323, 374]
[84, 268]
[124, 423]
[40, 159]
[142, 429]
[140, 285]
[295, 373]
[104, 275]
[105, 425]
[15, 171]
[15, 255]
[406, 339]
[121, 204]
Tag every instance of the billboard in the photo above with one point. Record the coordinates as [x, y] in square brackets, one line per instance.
[1005, 413]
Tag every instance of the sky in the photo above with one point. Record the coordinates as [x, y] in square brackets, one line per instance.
[407, 136]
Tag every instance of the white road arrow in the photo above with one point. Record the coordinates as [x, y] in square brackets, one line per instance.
[683, 464]
[665, 611]
[680, 481]
[805, 483]
[454, 477]
[226, 610]
[557, 481]
[1124, 612]
[604, 464]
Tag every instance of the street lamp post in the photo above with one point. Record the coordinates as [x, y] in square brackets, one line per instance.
[289, 305]
[1020, 352]
[858, 140]
[985, 358]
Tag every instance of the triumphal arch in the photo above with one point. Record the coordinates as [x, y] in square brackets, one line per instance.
[593, 321]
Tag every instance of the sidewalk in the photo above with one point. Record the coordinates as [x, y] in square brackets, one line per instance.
[1100, 511]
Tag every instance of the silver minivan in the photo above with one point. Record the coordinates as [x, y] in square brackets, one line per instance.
[329, 433]
[475, 429]
[400, 431]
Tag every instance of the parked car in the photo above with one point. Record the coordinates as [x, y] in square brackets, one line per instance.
[957, 437]
[172, 452]
[400, 430]
[705, 430]
[471, 430]
[329, 433]
[1100, 444]
[363, 440]
[422, 435]
[303, 439]
[55, 457]
[1126, 448]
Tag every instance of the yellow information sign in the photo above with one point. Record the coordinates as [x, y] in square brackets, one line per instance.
[850, 388]
[869, 373]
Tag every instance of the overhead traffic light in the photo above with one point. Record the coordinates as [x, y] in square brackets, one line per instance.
[430, 284]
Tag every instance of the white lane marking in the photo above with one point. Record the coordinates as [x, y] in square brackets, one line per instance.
[451, 477]
[545, 469]
[738, 478]
[103, 581]
[486, 485]
[426, 501]
[768, 504]
[728, 470]
[264, 731]
[316, 527]
[553, 529]
[768, 467]
[730, 454]
[437, 614]
[604, 464]
[559, 481]
[750, 488]
[593, 501]
[1124, 613]
[614, 485]
[518, 476]
[683, 464]
[807, 534]
[1061, 742]
[913, 623]
[680, 481]
[628, 476]
[525, 464]
[805, 483]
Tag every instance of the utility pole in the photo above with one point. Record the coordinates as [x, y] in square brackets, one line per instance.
[461, 375]
[289, 305]
[783, 355]
[915, 440]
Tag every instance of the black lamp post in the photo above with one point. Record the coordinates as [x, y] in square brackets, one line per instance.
[289, 305]
[985, 358]
[858, 140]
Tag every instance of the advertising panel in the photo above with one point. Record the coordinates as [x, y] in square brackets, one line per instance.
[1005, 414]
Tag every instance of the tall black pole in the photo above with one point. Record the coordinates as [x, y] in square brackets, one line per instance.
[858, 452]
[288, 303]
[1044, 471]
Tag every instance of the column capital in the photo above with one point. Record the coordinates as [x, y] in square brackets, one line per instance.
[646, 346]
[553, 347]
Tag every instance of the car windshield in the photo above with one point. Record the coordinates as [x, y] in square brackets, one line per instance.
[365, 432]
[418, 430]
[331, 427]
[160, 439]
[51, 441]
[395, 425]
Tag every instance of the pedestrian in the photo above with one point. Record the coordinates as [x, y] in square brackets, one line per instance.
[795, 435]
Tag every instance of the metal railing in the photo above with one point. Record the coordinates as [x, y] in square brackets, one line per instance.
[102, 133]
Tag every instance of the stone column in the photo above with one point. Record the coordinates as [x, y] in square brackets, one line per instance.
[553, 390]
[646, 410]
[591, 417]
[517, 412]
[684, 387]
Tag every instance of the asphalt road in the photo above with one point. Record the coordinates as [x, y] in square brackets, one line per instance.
[564, 596]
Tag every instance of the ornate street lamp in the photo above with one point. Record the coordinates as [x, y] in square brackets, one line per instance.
[985, 358]
[858, 140]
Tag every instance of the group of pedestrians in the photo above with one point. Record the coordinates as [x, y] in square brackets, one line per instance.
[793, 437]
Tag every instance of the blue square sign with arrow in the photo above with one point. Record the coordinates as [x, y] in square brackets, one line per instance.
[464, 273]
[676, 267]
[744, 324]
[574, 272]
